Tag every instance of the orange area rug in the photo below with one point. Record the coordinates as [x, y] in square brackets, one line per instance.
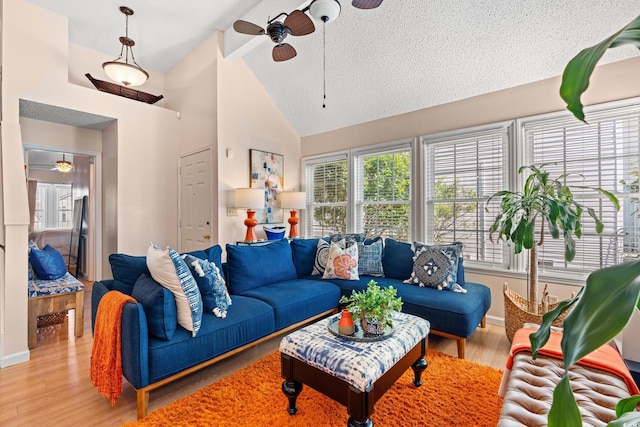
[454, 393]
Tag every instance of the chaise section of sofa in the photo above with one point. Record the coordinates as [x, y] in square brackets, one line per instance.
[451, 314]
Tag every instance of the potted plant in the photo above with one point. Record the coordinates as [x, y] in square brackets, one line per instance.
[605, 305]
[374, 306]
[522, 219]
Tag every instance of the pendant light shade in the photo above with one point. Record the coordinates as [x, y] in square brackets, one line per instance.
[120, 70]
[63, 165]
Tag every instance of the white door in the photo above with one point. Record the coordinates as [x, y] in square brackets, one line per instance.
[195, 201]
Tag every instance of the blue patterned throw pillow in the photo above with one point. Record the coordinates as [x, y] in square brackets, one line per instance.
[370, 258]
[436, 267]
[169, 269]
[213, 289]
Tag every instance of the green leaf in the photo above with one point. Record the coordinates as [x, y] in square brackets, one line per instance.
[604, 309]
[541, 336]
[575, 79]
[569, 248]
[599, 224]
[628, 419]
[564, 410]
[627, 405]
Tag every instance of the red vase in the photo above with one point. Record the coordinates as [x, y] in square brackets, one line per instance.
[345, 324]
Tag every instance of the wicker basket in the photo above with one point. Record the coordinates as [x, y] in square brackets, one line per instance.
[516, 313]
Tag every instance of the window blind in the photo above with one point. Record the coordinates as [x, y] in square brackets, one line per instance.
[382, 187]
[462, 170]
[602, 154]
[326, 185]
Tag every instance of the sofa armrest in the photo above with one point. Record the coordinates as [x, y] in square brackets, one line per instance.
[134, 338]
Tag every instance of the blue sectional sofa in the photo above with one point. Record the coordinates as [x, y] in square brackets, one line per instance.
[272, 292]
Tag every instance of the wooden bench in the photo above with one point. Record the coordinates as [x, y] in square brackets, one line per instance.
[52, 296]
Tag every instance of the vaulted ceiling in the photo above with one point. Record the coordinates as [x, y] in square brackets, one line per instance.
[403, 56]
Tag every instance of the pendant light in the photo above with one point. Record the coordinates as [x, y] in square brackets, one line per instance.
[63, 165]
[120, 70]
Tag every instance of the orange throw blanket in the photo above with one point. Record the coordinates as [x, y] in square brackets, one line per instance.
[106, 360]
[605, 358]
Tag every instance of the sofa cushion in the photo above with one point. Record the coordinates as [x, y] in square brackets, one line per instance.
[342, 263]
[213, 289]
[397, 261]
[436, 266]
[126, 269]
[212, 254]
[48, 263]
[297, 300]
[254, 266]
[159, 306]
[370, 258]
[169, 269]
[304, 255]
[251, 319]
[451, 312]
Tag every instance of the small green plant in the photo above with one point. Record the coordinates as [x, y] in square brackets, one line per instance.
[376, 303]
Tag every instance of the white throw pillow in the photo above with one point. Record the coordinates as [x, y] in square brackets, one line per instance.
[170, 270]
[342, 263]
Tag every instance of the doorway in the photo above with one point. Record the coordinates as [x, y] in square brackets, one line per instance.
[59, 180]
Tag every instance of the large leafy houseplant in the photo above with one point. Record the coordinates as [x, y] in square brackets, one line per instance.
[542, 202]
[605, 305]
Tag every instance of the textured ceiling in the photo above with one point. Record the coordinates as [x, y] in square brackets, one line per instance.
[403, 56]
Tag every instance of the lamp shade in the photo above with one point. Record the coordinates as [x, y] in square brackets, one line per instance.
[250, 198]
[293, 199]
[125, 74]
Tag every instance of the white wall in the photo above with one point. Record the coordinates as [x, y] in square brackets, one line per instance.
[248, 118]
[141, 193]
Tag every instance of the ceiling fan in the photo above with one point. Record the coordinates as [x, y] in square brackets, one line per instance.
[297, 23]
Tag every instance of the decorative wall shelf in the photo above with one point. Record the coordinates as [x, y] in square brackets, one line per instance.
[126, 92]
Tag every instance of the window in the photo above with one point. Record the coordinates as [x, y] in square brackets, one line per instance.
[326, 184]
[462, 170]
[54, 206]
[603, 154]
[382, 184]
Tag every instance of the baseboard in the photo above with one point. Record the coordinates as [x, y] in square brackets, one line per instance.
[494, 320]
[15, 358]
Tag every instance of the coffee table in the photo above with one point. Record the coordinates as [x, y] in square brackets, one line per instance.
[353, 373]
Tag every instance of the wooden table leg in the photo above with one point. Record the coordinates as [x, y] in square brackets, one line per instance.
[79, 308]
[290, 387]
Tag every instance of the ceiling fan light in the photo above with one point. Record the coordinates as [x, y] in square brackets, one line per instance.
[125, 74]
[324, 10]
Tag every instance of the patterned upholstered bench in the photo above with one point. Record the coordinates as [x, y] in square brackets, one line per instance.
[355, 374]
[51, 296]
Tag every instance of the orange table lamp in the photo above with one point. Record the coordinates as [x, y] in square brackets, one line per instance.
[293, 200]
[250, 199]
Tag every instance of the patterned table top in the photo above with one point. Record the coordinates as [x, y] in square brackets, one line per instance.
[358, 363]
[65, 284]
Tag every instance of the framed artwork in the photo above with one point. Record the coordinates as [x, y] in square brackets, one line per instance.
[267, 171]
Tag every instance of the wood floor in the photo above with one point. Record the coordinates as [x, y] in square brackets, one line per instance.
[54, 388]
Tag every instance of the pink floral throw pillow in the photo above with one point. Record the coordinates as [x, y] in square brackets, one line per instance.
[342, 263]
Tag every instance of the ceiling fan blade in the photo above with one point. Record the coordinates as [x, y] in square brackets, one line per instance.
[299, 23]
[246, 27]
[283, 52]
[366, 4]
